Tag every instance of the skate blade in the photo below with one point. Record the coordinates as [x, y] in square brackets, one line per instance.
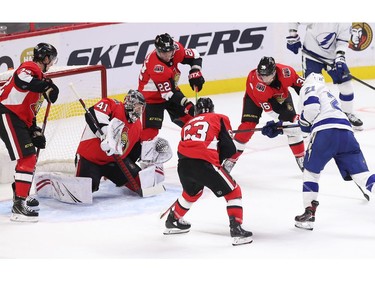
[22, 218]
[308, 225]
[241, 241]
[357, 128]
[169, 231]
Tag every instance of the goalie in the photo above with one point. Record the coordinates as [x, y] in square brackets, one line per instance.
[121, 127]
[110, 147]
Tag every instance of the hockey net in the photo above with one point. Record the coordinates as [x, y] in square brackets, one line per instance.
[66, 119]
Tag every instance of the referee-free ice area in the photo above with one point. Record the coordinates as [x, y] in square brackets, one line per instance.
[121, 225]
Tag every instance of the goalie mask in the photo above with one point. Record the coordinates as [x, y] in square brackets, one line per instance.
[134, 103]
[204, 105]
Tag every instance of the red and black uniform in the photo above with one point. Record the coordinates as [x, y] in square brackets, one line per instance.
[20, 100]
[92, 161]
[205, 142]
[274, 99]
[158, 82]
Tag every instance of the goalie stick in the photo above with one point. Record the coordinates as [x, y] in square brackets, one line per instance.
[118, 159]
[332, 66]
[260, 129]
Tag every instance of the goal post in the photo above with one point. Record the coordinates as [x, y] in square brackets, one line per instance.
[66, 119]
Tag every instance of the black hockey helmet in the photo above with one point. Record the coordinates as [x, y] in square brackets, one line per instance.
[204, 105]
[164, 43]
[266, 66]
[132, 99]
[43, 50]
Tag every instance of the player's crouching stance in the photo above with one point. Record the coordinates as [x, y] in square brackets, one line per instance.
[331, 136]
[205, 142]
[110, 140]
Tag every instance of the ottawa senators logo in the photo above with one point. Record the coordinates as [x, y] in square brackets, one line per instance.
[361, 36]
[125, 139]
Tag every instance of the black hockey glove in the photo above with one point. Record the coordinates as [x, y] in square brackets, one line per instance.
[189, 108]
[272, 129]
[196, 79]
[52, 91]
[37, 137]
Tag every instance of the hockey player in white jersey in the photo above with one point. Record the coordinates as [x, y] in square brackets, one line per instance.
[331, 136]
[327, 42]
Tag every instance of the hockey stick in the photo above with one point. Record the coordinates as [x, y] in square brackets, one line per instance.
[167, 211]
[45, 119]
[260, 129]
[332, 66]
[196, 94]
[364, 194]
[118, 159]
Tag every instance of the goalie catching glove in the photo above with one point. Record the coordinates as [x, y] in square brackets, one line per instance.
[156, 151]
[112, 141]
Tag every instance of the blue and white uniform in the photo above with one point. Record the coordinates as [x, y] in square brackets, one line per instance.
[328, 42]
[331, 137]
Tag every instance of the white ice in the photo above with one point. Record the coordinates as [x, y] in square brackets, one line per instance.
[121, 226]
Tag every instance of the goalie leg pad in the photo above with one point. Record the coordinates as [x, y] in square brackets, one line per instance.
[151, 181]
[74, 190]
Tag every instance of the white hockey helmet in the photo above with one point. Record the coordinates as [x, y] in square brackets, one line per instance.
[314, 78]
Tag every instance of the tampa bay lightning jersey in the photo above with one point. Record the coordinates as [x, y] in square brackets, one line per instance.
[320, 107]
[325, 39]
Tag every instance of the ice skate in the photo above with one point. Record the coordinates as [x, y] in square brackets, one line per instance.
[307, 219]
[176, 226]
[240, 236]
[355, 121]
[30, 201]
[21, 212]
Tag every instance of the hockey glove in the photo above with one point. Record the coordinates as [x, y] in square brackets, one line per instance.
[189, 108]
[341, 67]
[37, 137]
[52, 91]
[304, 124]
[272, 129]
[196, 79]
[293, 42]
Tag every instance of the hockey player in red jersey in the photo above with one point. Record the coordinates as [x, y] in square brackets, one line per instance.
[267, 89]
[20, 100]
[205, 142]
[121, 128]
[158, 82]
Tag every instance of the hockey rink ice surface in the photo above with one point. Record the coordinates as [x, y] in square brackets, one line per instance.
[120, 225]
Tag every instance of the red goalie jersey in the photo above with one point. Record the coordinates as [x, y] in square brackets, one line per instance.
[104, 111]
[206, 137]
